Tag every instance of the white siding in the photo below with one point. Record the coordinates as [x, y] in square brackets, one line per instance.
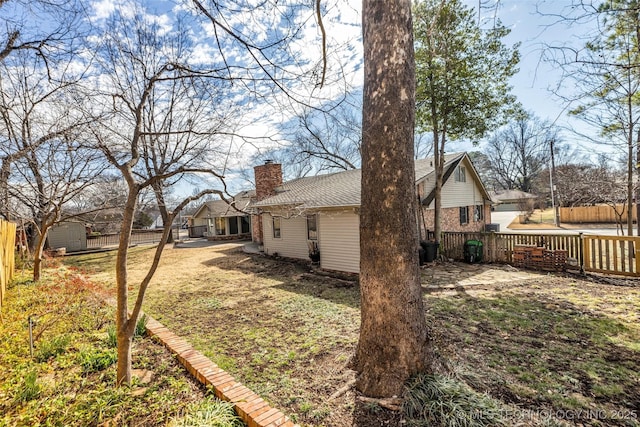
[429, 185]
[466, 193]
[293, 237]
[339, 241]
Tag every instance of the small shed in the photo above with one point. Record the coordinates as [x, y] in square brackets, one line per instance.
[69, 235]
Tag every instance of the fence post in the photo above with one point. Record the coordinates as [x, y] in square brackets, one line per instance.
[584, 250]
[492, 245]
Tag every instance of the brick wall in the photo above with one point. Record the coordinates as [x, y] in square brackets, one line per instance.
[267, 176]
[256, 229]
[242, 236]
[450, 218]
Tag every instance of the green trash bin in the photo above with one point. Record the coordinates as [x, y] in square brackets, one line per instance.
[473, 251]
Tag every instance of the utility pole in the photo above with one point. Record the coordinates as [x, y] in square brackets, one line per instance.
[554, 204]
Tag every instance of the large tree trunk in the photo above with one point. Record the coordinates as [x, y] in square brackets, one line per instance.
[393, 334]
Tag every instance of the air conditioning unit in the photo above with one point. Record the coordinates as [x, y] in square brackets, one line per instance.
[492, 227]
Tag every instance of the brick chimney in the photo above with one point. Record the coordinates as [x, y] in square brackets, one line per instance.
[267, 176]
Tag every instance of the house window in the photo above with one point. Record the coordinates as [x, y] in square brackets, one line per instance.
[478, 213]
[276, 227]
[221, 226]
[460, 174]
[312, 227]
[233, 225]
[246, 224]
[464, 215]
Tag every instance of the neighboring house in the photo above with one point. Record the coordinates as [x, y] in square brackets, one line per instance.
[512, 200]
[219, 220]
[104, 221]
[294, 218]
[179, 221]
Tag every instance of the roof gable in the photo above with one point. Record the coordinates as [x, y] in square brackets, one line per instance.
[449, 167]
[219, 208]
[342, 189]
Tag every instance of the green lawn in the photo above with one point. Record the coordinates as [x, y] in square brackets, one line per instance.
[70, 379]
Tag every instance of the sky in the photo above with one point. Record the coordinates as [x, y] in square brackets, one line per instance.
[535, 24]
[532, 84]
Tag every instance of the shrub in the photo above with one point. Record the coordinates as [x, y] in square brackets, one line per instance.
[112, 336]
[96, 360]
[30, 389]
[141, 326]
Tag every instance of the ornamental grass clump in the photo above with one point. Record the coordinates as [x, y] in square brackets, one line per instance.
[437, 400]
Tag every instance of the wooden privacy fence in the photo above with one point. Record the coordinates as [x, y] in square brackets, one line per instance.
[594, 214]
[7, 255]
[617, 255]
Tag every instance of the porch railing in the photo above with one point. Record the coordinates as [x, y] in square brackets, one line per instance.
[137, 237]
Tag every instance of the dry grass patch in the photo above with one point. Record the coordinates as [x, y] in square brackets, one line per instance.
[547, 344]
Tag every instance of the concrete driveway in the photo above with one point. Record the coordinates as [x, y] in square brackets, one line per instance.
[505, 218]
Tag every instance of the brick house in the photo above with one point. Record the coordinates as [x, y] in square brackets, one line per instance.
[466, 204]
[292, 218]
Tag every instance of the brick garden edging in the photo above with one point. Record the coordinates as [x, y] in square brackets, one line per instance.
[250, 407]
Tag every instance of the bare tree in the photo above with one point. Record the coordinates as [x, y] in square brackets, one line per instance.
[161, 126]
[42, 130]
[604, 79]
[330, 139]
[44, 51]
[180, 126]
[588, 184]
[321, 139]
[300, 73]
[519, 152]
[393, 334]
[24, 29]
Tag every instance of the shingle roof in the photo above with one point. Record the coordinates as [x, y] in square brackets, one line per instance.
[334, 189]
[220, 208]
[509, 195]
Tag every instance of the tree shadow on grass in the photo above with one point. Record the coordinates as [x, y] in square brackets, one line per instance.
[371, 414]
[540, 352]
[290, 275]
